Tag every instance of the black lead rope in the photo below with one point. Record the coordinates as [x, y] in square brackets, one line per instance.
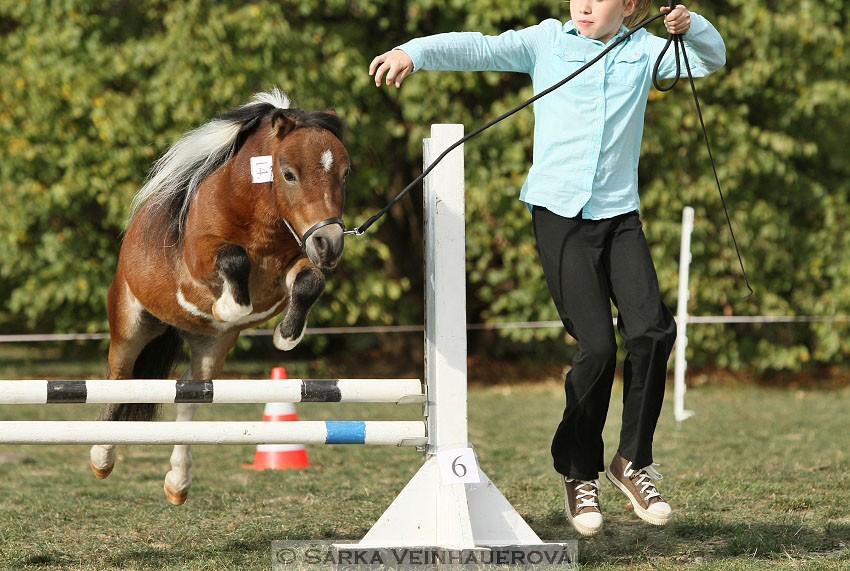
[676, 39]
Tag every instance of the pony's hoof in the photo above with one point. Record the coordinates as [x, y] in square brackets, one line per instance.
[101, 473]
[176, 498]
[285, 343]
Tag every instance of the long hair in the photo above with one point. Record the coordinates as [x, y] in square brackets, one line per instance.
[176, 176]
[641, 10]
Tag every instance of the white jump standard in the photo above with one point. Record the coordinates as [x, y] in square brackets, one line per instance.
[429, 511]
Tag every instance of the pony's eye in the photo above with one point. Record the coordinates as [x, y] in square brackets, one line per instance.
[347, 172]
[288, 176]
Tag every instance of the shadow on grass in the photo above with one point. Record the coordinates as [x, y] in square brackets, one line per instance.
[633, 541]
[232, 554]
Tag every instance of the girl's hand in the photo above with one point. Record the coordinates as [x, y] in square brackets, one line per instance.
[395, 63]
[678, 21]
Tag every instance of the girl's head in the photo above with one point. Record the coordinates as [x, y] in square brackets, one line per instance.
[601, 19]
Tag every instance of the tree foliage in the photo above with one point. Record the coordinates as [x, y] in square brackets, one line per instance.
[94, 91]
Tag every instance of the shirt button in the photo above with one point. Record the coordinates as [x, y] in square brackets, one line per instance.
[596, 147]
[590, 171]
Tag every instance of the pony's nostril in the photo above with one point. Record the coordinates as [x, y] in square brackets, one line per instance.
[321, 244]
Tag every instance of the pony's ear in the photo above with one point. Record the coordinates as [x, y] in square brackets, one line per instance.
[331, 111]
[282, 124]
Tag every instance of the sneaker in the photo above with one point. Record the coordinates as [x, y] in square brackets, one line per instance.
[638, 487]
[581, 505]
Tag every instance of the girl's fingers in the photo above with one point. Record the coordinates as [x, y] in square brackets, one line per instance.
[379, 73]
[375, 62]
[400, 77]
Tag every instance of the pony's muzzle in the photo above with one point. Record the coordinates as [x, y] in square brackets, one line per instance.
[324, 246]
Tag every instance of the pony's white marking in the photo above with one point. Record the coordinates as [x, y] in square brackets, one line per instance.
[227, 309]
[102, 457]
[193, 309]
[135, 312]
[327, 160]
[283, 343]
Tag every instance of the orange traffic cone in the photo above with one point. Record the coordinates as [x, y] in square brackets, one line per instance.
[279, 456]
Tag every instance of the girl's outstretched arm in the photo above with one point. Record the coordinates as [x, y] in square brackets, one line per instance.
[514, 50]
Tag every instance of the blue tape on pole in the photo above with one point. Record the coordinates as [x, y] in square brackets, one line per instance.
[345, 432]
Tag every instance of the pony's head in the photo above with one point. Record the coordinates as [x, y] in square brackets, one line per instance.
[308, 173]
[310, 165]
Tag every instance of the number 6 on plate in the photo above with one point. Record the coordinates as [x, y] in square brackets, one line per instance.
[458, 466]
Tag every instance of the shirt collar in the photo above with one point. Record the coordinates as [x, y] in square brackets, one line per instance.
[570, 28]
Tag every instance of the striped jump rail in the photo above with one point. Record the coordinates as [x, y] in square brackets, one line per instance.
[399, 391]
[388, 433]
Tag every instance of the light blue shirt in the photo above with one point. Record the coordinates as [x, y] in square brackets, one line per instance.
[587, 134]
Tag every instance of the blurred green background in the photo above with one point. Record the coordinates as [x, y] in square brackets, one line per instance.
[93, 91]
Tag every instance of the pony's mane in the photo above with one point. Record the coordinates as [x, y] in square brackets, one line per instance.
[176, 176]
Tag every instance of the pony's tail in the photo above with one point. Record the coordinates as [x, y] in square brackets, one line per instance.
[154, 362]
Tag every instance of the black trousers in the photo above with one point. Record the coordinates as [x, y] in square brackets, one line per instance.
[588, 264]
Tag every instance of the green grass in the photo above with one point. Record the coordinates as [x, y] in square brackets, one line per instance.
[758, 479]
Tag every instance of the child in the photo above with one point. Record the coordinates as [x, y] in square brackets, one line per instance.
[583, 196]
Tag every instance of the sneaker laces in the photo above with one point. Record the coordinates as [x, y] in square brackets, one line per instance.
[644, 476]
[586, 496]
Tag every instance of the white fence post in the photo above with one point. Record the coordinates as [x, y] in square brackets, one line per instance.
[429, 511]
[681, 365]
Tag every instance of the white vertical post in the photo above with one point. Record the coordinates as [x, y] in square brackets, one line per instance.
[430, 511]
[445, 292]
[681, 365]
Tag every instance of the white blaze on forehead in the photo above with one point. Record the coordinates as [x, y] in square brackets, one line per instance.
[327, 160]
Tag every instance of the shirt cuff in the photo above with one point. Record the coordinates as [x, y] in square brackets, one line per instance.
[698, 25]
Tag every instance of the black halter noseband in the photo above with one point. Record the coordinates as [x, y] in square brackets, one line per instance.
[302, 241]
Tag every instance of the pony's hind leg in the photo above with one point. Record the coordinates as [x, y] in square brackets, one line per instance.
[140, 346]
[207, 359]
[305, 283]
[179, 478]
[234, 267]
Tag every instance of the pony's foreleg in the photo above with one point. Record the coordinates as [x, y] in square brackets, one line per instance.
[305, 283]
[234, 268]
[207, 360]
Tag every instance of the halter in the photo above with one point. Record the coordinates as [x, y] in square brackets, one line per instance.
[303, 240]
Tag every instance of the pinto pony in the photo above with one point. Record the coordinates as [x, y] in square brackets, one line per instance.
[213, 248]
